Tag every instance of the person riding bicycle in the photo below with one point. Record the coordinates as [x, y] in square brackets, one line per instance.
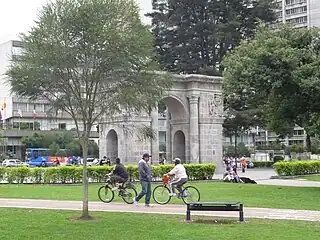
[180, 177]
[119, 174]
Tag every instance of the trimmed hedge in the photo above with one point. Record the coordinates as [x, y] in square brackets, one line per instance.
[72, 174]
[294, 168]
[263, 164]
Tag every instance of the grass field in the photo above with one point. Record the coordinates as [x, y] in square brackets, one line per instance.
[17, 224]
[310, 177]
[251, 195]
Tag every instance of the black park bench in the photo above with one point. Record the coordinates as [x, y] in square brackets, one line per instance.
[216, 206]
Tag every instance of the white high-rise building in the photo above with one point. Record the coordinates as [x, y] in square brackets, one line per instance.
[301, 13]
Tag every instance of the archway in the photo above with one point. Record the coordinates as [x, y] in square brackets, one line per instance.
[193, 109]
[174, 106]
[173, 116]
[112, 145]
[179, 143]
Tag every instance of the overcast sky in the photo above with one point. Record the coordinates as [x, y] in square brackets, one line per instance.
[18, 15]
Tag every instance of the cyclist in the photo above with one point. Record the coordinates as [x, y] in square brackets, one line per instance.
[180, 177]
[118, 175]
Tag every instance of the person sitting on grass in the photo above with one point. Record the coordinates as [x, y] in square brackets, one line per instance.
[119, 175]
[180, 177]
[236, 178]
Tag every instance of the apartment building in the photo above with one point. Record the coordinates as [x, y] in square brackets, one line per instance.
[259, 136]
[300, 13]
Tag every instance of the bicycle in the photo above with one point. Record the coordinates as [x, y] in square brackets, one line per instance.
[160, 194]
[126, 191]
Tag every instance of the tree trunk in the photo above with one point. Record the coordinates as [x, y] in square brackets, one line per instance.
[308, 143]
[236, 144]
[85, 201]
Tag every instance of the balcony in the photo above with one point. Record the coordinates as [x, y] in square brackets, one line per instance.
[24, 133]
[29, 114]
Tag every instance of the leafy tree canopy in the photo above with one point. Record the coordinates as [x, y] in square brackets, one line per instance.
[280, 70]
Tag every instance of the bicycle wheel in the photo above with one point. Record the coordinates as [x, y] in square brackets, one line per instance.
[128, 194]
[190, 194]
[105, 194]
[160, 194]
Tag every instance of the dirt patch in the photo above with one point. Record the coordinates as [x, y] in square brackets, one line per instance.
[84, 219]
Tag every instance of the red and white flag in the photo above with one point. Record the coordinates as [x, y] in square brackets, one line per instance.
[34, 114]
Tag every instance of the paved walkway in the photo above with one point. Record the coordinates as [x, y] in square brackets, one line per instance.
[294, 183]
[263, 175]
[266, 213]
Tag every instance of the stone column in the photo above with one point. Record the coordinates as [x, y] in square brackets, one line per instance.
[155, 141]
[168, 137]
[194, 128]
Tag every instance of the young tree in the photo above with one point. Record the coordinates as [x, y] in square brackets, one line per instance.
[89, 58]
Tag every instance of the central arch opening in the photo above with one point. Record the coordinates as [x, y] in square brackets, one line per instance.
[179, 143]
[172, 115]
[112, 145]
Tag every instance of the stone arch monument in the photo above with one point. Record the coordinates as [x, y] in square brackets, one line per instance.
[193, 125]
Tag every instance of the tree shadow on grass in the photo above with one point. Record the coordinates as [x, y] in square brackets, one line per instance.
[218, 221]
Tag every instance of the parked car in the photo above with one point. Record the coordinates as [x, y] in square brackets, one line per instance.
[250, 164]
[24, 164]
[11, 163]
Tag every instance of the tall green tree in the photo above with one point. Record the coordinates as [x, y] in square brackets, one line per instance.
[282, 69]
[89, 58]
[192, 36]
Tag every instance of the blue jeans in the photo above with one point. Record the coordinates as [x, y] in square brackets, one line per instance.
[146, 190]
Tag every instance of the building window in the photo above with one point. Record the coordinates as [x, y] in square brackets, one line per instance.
[20, 106]
[290, 2]
[38, 107]
[298, 20]
[15, 125]
[297, 10]
[62, 126]
[298, 132]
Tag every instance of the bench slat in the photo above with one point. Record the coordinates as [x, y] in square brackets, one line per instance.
[215, 203]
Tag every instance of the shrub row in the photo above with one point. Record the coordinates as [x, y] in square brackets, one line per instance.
[294, 168]
[263, 164]
[72, 174]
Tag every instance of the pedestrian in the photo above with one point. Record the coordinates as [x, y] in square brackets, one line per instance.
[145, 175]
[243, 164]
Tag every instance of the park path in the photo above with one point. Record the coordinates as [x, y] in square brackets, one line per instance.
[265, 213]
[263, 176]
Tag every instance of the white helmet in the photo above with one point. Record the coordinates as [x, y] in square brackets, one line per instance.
[177, 160]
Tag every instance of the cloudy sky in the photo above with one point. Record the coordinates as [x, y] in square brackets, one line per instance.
[18, 15]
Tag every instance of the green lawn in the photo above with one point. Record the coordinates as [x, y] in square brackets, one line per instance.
[310, 177]
[17, 224]
[251, 195]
